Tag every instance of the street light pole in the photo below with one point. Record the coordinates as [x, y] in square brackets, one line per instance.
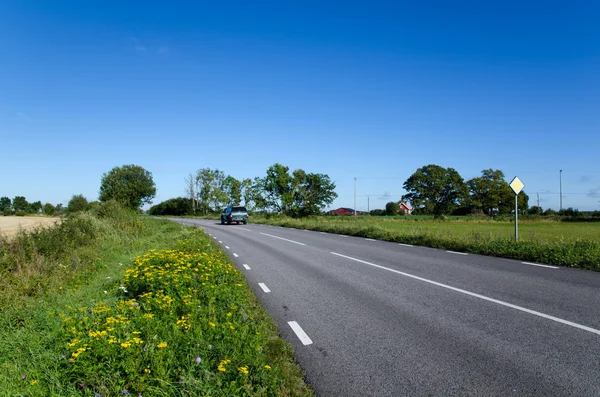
[354, 196]
[560, 173]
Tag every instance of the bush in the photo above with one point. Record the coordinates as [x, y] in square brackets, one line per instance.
[20, 213]
[77, 203]
[7, 211]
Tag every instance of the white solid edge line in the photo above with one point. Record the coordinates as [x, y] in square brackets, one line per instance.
[523, 309]
[537, 264]
[264, 287]
[246, 266]
[236, 255]
[285, 239]
[457, 253]
[300, 333]
[370, 239]
[405, 245]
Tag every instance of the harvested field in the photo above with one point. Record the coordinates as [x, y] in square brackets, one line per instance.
[10, 225]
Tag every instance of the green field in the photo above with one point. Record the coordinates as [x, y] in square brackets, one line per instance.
[572, 244]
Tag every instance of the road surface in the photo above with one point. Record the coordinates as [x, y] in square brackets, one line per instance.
[373, 318]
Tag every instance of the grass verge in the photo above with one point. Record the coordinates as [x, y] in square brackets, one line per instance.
[138, 306]
[540, 241]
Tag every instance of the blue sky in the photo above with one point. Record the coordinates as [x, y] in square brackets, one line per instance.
[372, 90]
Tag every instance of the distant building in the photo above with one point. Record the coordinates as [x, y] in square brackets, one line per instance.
[404, 208]
[343, 211]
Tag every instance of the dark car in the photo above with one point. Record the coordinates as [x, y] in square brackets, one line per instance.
[234, 214]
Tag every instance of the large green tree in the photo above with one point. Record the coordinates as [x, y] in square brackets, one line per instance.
[435, 190]
[233, 189]
[488, 191]
[311, 193]
[130, 185]
[277, 189]
[5, 202]
[19, 203]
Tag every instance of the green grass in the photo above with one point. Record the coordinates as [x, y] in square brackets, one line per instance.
[131, 303]
[572, 244]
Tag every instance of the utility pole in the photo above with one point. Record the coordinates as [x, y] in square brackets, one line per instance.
[354, 196]
[368, 204]
[538, 200]
[560, 174]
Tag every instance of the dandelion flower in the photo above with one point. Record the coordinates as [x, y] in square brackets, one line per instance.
[267, 366]
[162, 345]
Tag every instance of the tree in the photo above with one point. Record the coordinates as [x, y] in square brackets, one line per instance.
[35, 207]
[233, 189]
[130, 185]
[190, 190]
[391, 208]
[4, 203]
[535, 210]
[19, 203]
[435, 190]
[175, 206]
[277, 188]
[489, 191]
[310, 193]
[48, 209]
[77, 203]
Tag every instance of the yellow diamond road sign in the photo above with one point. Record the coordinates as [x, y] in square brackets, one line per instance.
[516, 185]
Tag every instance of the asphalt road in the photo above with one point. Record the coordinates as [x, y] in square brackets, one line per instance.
[384, 319]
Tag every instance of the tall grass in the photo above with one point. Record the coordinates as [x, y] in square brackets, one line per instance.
[110, 303]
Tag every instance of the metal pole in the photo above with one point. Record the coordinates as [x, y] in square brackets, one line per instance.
[516, 218]
[560, 189]
[368, 204]
[354, 196]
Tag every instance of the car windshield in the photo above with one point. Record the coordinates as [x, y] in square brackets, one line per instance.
[238, 209]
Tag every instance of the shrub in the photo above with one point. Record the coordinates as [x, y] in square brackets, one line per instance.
[20, 213]
[77, 203]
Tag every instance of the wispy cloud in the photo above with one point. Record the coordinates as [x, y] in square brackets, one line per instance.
[585, 178]
[137, 45]
[143, 47]
[22, 116]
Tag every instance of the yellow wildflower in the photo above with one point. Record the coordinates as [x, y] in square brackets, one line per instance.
[243, 370]
[125, 345]
[267, 366]
[162, 345]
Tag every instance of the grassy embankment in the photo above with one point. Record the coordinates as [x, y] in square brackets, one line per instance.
[109, 303]
[572, 244]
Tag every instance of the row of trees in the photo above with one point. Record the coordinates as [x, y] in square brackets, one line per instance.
[19, 205]
[296, 193]
[130, 185]
[437, 190]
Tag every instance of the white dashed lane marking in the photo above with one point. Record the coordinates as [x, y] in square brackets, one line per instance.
[300, 333]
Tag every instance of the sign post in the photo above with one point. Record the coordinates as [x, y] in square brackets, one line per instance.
[516, 185]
